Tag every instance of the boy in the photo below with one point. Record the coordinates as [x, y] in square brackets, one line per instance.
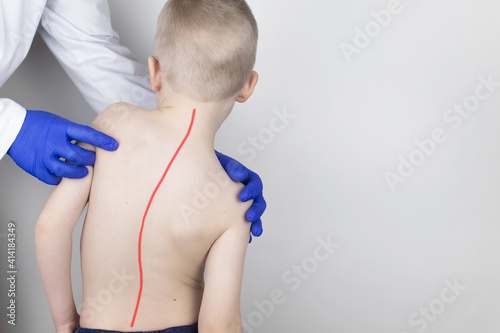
[161, 209]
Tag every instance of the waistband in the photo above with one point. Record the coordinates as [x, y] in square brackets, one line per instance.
[178, 329]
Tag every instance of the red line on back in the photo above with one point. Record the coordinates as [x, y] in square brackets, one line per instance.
[146, 213]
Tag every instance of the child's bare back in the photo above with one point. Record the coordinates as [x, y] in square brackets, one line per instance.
[193, 206]
[181, 264]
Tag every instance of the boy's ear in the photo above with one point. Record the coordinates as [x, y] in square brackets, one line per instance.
[247, 90]
[154, 73]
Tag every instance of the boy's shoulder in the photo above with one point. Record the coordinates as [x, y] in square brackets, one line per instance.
[223, 194]
[116, 115]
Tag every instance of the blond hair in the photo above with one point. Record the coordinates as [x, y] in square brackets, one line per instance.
[206, 48]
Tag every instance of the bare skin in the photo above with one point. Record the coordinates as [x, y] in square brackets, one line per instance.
[195, 222]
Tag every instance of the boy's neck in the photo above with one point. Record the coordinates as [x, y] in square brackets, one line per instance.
[208, 118]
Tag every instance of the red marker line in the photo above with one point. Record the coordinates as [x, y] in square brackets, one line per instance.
[146, 213]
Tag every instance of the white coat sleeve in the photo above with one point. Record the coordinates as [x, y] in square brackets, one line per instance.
[11, 120]
[79, 34]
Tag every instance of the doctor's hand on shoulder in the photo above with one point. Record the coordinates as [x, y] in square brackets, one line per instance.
[44, 138]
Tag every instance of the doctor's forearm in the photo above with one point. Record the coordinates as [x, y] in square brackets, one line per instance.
[11, 120]
[83, 41]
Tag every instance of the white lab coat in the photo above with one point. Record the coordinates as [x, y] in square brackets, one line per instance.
[79, 34]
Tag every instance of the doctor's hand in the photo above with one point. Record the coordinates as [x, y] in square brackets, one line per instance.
[252, 190]
[45, 137]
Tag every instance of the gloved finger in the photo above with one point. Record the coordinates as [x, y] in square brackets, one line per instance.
[253, 187]
[257, 209]
[222, 158]
[76, 154]
[91, 136]
[63, 169]
[256, 228]
[48, 178]
[250, 239]
[235, 170]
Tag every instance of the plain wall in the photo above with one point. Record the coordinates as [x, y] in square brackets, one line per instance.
[398, 255]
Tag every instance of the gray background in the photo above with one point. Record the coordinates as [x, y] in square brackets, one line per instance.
[324, 172]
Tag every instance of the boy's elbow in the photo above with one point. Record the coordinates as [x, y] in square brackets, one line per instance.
[46, 226]
[42, 228]
[42, 234]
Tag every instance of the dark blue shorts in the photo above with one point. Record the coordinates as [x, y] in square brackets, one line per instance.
[178, 329]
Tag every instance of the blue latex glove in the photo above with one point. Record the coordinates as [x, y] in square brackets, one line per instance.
[252, 190]
[44, 137]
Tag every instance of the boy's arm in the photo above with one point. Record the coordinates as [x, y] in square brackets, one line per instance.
[220, 309]
[54, 231]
